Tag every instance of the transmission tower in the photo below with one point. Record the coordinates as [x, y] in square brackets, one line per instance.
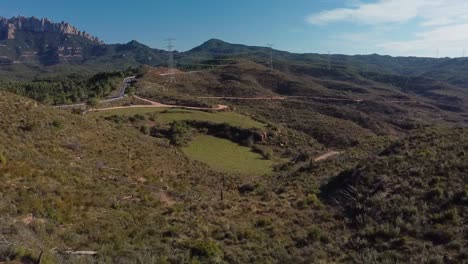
[170, 48]
[271, 56]
[329, 61]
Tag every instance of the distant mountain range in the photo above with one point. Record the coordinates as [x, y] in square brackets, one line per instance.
[40, 41]
[26, 43]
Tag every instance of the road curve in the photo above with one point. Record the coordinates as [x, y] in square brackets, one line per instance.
[123, 87]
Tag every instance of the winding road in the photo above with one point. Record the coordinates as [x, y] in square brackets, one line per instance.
[125, 83]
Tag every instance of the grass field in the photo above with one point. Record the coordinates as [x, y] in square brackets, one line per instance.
[225, 156]
[165, 116]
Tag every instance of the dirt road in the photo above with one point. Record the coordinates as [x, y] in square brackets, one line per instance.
[326, 155]
[153, 104]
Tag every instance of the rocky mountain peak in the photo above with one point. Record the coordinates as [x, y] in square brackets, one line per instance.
[10, 27]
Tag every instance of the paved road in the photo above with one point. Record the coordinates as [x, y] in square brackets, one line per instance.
[123, 87]
[126, 82]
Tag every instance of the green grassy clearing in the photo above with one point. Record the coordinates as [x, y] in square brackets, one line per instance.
[225, 156]
[166, 116]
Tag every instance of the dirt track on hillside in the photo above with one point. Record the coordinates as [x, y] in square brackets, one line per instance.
[327, 155]
[153, 104]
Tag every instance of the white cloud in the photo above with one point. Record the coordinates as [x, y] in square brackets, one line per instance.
[383, 11]
[434, 24]
[449, 39]
[431, 12]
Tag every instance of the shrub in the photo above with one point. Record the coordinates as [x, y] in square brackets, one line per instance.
[263, 222]
[314, 233]
[28, 126]
[180, 133]
[145, 130]
[3, 160]
[57, 124]
[139, 117]
[207, 249]
[435, 193]
[313, 199]
[93, 102]
[22, 254]
[439, 236]
[77, 111]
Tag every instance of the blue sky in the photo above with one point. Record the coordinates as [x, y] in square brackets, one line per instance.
[395, 27]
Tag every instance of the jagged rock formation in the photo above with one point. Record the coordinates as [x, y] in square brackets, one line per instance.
[9, 28]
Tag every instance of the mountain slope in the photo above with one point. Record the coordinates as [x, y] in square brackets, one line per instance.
[452, 71]
[31, 47]
[411, 200]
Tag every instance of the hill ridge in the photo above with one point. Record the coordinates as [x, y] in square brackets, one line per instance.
[10, 27]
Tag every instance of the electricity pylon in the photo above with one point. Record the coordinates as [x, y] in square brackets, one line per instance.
[170, 46]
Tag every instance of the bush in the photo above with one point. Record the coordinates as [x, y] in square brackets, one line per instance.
[57, 124]
[313, 199]
[20, 253]
[3, 160]
[206, 249]
[263, 222]
[314, 233]
[139, 117]
[28, 126]
[180, 133]
[439, 236]
[93, 102]
[145, 130]
[435, 193]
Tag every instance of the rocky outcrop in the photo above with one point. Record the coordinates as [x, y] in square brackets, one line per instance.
[9, 28]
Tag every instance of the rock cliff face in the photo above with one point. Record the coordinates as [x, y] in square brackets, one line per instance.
[9, 28]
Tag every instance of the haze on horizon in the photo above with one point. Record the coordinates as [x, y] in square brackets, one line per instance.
[427, 28]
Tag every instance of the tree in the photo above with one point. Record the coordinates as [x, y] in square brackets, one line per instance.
[180, 133]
